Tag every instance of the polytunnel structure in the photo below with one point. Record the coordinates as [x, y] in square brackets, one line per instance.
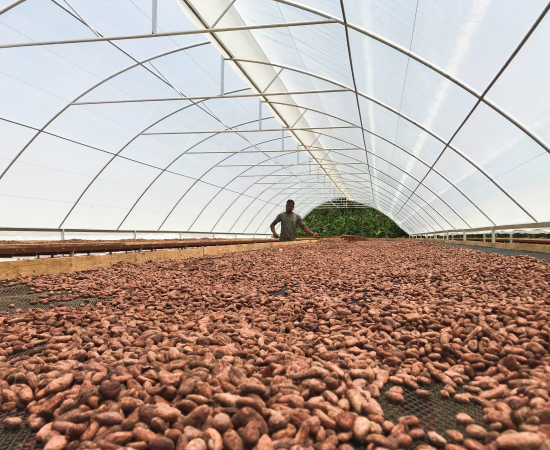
[206, 116]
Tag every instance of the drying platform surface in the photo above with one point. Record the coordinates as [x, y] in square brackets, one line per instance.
[300, 317]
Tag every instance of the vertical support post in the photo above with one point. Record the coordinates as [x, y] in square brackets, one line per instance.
[180, 235]
[483, 237]
[260, 116]
[447, 236]
[222, 77]
[62, 234]
[511, 238]
[154, 17]
[493, 235]
[135, 234]
[463, 235]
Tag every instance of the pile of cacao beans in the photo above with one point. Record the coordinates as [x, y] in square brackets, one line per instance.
[200, 354]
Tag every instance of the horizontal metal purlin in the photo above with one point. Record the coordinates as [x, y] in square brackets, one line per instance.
[302, 174]
[248, 131]
[288, 151]
[211, 97]
[304, 164]
[172, 33]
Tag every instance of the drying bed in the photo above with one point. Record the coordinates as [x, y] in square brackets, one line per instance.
[374, 344]
[23, 296]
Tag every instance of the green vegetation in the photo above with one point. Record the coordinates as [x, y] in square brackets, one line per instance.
[367, 222]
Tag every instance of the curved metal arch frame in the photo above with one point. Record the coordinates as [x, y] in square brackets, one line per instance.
[409, 189]
[110, 153]
[382, 209]
[222, 45]
[117, 154]
[416, 218]
[486, 91]
[87, 91]
[328, 198]
[228, 208]
[388, 211]
[176, 50]
[175, 206]
[176, 159]
[298, 183]
[222, 188]
[278, 205]
[409, 175]
[10, 6]
[365, 182]
[208, 171]
[234, 178]
[426, 63]
[233, 202]
[397, 181]
[408, 119]
[165, 80]
[385, 182]
[241, 195]
[138, 63]
[447, 144]
[397, 146]
[385, 210]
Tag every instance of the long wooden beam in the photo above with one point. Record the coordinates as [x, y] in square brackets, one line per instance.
[33, 267]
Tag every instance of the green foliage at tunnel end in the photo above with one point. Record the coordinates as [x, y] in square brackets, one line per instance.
[367, 222]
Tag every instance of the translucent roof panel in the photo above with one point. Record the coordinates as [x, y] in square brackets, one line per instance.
[206, 117]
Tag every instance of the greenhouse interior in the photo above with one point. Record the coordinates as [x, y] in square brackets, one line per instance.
[274, 224]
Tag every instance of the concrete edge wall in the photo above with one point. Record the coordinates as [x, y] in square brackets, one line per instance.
[32, 267]
[541, 248]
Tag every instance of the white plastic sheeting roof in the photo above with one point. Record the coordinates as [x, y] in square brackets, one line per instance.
[435, 112]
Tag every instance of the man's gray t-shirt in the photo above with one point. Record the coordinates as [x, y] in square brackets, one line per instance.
[288, 225]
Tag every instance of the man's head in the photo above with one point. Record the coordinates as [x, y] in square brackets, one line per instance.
[289, 206]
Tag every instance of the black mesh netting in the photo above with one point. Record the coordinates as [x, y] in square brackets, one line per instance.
[435, 413]
[21, 296]
[22, 438]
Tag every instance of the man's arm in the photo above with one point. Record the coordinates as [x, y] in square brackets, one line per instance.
[308, 231]
[275, 222]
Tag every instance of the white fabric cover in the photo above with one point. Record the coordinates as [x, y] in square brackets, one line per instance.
[436, 113]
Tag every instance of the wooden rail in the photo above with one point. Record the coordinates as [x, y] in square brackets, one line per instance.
[30, 267]
[73, 248]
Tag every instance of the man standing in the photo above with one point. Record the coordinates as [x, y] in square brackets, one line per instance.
[289, 220]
